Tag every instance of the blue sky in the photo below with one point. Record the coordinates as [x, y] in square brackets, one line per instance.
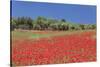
[84, 14]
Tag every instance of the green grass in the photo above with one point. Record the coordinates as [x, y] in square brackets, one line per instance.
[40, 35]
[29, 34]
[21, 34]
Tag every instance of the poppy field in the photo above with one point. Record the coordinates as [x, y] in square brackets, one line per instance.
[52, 47]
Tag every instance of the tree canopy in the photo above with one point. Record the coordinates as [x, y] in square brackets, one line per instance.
[42, 23]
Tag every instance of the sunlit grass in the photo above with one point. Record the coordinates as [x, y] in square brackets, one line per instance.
[31, 34]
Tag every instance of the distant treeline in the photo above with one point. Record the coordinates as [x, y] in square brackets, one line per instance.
[42, 23]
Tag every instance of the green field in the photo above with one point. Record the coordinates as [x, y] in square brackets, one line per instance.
[34, 35]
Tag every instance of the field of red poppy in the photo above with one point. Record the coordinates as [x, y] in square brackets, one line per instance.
[53, 47]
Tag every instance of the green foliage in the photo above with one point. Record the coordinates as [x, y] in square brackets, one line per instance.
[42, 23]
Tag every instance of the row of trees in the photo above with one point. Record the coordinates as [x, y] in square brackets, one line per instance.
[42, 23]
